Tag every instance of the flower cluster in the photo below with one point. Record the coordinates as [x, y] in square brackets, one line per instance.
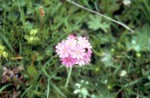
[123, 73]
[81, 88]
[74, 50]
[12, 74]
[32, 37]
[126, 2]
[3, 52]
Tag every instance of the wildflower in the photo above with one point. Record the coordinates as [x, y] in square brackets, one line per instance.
[93, 96]
[68, 61]
[33, 37]
[12, 75]
[2, 47]
[74, 50]
[41, 11]
[127, 2]
[63, 50]
[80, 62]
[123, 73]
[33, 32]
[76, 91]
[71, 42]
[78, 52]
[109, 87]
[87, 56]
[138, 55]
[3, 53]
[84, 42]
[81, 88]
[137, 96]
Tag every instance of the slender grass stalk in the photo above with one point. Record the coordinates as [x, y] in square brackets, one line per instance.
[25, 92]
[22, 14]
[102, 15]
[48, 87]
[4, 87]
[68, 78]
[0, 71]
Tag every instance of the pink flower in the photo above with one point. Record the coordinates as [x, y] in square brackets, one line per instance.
[80, 62]
[84, 42]
[71, 37]
[71, 42]
[73, 51]
[62, 49]
[78, 52]
[68, 61]
[87, 56]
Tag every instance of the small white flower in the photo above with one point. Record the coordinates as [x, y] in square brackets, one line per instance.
[84, 91]
[105, 81]
[93, 96]
[76, 91]
[86, 82]
[78, 85]
[137, 96]
[126, 2]
[109, 87]
[133, 41]
[123, 73]
[82, 81]
[96, 84]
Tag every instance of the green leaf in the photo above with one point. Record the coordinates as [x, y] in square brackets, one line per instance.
[21, 2]
[4, 87]
[96, 22]
[32, 71]
[109, 6]
[140, 41]
[6, 41]
[58, 90]
[107, 59]
[142, 38]
[28, 25]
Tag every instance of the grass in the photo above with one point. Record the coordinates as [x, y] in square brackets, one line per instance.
[37, 70]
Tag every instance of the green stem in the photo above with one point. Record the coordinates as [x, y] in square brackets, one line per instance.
[68, 78]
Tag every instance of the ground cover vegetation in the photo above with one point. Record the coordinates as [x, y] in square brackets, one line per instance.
[120, 59]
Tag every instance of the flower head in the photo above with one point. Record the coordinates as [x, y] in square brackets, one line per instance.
[74, 50]
[68, 61]
[82, 41]
[126, 2]
[123, 73]
[78, 52]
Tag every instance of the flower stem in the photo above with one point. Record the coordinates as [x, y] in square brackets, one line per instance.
[68, 78]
